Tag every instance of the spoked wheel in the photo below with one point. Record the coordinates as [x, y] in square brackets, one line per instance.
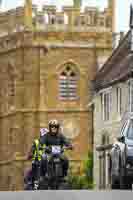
[64, 186]
[43, 184]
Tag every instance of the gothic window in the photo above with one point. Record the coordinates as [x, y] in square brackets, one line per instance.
[68, 83]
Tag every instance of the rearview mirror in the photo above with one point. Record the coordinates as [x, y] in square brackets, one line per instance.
[121, 139]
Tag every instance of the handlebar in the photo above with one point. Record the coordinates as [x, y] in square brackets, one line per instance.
[48, 149]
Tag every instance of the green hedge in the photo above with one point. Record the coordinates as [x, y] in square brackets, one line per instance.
[85, 181]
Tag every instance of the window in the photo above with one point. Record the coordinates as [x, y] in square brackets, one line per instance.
[88, 20]
[60, 19]
[83, 20]
[11, 86]
[77, 21]
[46, 18]
[131, 95]
[101, 22]
[105, 138]
[68, 84]
[108, 22]
[40, 19]
[106, 102]
[52, 19]
[119, 102]
[130, 130]
[65, 18]
[124, 128]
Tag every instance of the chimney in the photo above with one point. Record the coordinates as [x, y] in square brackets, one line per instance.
[121, 36]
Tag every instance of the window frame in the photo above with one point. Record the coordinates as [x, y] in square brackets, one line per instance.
[106, 107]
[119, 100]
[68, 84]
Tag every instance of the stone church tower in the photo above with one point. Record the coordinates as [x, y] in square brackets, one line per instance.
[47, 61]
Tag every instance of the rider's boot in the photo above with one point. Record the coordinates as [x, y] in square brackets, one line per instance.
[36, 185]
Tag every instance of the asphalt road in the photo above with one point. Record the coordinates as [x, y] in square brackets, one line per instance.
[67, 195]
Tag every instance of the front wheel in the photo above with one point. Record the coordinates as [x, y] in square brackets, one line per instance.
[64, 186]
[58, 170]
[43, 184]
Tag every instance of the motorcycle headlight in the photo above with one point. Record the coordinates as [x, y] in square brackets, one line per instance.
[128, 166]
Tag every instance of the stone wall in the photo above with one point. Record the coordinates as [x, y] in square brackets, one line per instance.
[111, 127]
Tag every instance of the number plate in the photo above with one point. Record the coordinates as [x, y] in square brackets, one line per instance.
[56, 149]
[56, 159]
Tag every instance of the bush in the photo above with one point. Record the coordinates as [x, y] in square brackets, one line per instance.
[86, 180]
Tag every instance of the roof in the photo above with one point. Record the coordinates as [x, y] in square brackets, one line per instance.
[117, 68]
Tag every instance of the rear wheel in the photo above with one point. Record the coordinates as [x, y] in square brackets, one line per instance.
[28, 187]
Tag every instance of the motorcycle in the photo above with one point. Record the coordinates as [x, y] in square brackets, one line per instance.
[28, 180]
[54, 177]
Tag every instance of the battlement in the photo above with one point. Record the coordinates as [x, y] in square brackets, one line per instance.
[49, 18]
[89, 17]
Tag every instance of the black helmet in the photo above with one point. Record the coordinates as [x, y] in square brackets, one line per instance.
[54, 123]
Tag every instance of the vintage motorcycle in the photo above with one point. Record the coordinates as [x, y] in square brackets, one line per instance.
[54, 178]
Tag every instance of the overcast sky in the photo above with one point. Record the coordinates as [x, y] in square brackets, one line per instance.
[122, 8]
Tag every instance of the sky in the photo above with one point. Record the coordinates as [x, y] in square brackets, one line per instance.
[122, 8]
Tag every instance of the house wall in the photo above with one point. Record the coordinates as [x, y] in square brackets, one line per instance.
[111, 127]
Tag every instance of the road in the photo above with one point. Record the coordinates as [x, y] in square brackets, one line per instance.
[66, 195]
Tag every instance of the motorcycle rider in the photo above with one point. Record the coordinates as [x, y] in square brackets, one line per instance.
[36, 154]
[54, 137]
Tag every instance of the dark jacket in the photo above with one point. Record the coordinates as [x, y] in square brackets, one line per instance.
[58, 139]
